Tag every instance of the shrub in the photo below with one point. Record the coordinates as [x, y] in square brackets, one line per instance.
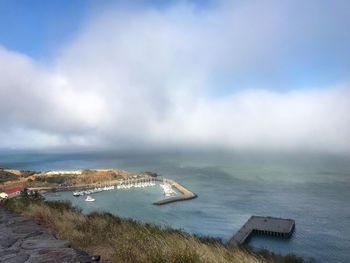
[7, 176]
[55, 179]
[27, 173]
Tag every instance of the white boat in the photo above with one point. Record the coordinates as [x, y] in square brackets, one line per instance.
[89, 199]
[138, 183]
[167, 189]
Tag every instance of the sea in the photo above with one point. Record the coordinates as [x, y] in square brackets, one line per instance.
[312, 189]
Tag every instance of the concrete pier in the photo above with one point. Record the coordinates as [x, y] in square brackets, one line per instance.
[261, 225]
[185, 193]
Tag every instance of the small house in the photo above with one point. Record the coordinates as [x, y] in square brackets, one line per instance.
[3, 195]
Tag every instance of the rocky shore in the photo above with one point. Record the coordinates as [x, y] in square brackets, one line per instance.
[23, 240]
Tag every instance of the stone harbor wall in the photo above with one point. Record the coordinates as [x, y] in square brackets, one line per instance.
[23, 240]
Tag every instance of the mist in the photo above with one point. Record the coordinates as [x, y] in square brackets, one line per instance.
[242, 77]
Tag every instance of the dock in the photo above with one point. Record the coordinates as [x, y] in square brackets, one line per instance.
[261, 225]
[78, 187]
[185, 194]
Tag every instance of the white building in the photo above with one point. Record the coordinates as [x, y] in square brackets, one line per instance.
[3, 195]
[64, 172]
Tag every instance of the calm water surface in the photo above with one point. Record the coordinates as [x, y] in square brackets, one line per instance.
[313, 190]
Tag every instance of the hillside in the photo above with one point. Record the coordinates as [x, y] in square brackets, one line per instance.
[32, 179]
[125, 240]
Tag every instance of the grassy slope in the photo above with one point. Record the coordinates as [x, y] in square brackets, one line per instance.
[7, 176]
[123, 240]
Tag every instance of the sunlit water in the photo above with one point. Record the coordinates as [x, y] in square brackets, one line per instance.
[313, 190]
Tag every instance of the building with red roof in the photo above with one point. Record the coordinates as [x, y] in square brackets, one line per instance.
[14, 191]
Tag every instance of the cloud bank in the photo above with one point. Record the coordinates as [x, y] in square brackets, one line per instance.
[181, 76]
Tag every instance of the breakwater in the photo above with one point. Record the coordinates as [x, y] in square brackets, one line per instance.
[185, 194]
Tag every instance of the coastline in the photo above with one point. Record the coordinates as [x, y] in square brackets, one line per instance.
[185, 193]
[124, 176]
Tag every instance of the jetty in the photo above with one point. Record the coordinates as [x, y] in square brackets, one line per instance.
[261, 225]
[185, 194]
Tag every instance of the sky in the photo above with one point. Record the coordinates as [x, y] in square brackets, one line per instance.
[237, 75]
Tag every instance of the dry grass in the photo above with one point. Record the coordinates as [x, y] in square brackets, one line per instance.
[124, 240]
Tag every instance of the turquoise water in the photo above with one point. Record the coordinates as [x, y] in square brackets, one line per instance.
[312, 189]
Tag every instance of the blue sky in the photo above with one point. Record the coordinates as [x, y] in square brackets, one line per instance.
[236, 74]
[40, 28]
[36, 28]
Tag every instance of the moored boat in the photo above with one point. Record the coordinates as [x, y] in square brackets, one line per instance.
[89, 199]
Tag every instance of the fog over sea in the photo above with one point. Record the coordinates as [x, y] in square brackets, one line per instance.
[312, 189]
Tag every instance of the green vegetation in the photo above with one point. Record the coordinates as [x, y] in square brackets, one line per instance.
[151, 173]
[7, 176]
[31, 195]
[116, 176]
[125, 240]
[15, 176]
[55, 179]
[88, 171]
[11, 177]
[27, 173]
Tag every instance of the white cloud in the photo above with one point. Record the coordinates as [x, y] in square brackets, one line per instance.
[147, 78]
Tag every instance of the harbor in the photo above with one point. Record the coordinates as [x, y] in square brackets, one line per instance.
[136, 183]
[92, 191]
[125, 184]
[261, 225]
[172, 190]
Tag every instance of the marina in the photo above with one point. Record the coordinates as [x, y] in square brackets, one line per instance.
[261, 225]
[136, 183]
[172, 190]
[125, 184]
[92, 191]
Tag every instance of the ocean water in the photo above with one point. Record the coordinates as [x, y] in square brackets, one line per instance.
[312, 189]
